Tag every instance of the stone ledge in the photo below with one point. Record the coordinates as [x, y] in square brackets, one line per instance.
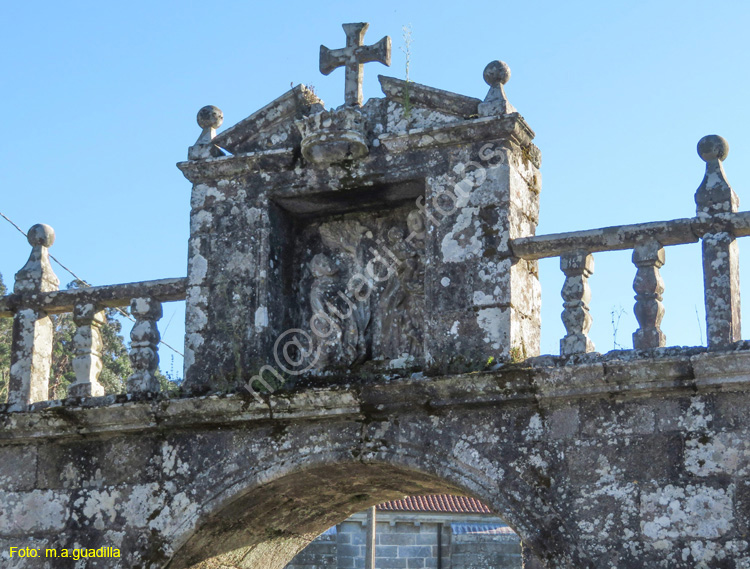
[509, 384]
[509, 127]
[227, 166]
[512, 126]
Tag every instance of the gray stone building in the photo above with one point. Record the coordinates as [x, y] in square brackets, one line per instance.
[440, 531]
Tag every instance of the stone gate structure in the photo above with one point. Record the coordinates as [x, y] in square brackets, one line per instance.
[352, 273]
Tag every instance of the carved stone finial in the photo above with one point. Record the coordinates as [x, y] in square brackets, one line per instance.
[37, 274]
[715, 195]
[209, 119]
[496, 74]
[353, 56]
[713, 147]
[42, 235]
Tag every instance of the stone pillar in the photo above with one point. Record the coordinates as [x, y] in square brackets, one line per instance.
[88, 345]
[721, 278]
[481, 302]
[31, 352]
[228, 312]
[144, 346]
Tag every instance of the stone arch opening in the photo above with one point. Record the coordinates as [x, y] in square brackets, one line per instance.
[267, 524]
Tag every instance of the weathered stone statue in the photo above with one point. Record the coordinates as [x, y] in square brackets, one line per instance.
[345, 237]
[413, 279]
[325, 326]
[402, 302]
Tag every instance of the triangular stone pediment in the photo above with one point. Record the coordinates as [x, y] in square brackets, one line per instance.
[271, 127]
[429, 98]
[406, 105]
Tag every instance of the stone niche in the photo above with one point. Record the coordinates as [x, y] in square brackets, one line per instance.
[331, 243]
[361, 284]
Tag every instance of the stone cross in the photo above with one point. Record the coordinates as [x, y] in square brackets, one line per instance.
[353, 56]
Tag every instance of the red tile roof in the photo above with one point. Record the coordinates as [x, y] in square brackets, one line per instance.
[442, 503]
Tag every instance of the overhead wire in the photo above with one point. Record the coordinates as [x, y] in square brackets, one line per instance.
[87, 284]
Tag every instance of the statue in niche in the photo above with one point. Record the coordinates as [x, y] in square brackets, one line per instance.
[326, 328]
[339, 304]
[402, 301]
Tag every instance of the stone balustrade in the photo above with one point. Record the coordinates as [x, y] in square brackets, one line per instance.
[717, 224]
[36, 296]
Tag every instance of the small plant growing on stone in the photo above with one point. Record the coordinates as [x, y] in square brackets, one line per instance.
[309, 94]
[616, 314]
[516, 355]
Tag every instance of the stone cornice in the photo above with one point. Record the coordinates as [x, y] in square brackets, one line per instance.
[229, 166]
[622, 374]
[512, 128]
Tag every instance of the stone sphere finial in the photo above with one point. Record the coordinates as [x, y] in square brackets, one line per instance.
[496, 73]
[41, 234]
[713, 147]
[210, 117]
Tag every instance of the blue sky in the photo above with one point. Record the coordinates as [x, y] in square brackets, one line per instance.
[100, 101]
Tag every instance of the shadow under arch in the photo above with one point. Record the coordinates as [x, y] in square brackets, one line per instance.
[263, 523]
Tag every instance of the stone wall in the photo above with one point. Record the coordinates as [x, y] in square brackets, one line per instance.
[574, 456]
[323, 553]
[475, 551]
[410, 545]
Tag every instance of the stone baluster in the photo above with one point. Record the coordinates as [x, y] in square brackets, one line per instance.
[649, 287]
[144, 345]
[578, 266]
[88, 344]
[31, 351]
[721, 278]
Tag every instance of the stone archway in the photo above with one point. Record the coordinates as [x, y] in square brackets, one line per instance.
[268, 524]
